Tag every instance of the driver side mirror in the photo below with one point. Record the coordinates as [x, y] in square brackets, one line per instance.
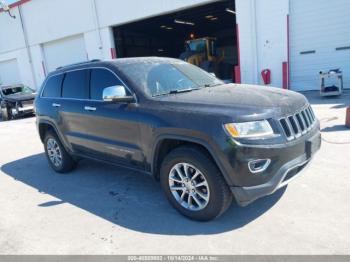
[116, 94]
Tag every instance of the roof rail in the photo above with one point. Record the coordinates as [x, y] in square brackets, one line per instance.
[80, 63]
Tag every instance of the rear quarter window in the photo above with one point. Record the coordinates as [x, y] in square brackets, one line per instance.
[53, 86]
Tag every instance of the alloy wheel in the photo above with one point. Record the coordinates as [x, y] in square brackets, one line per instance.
[189, 186]
[54, 152]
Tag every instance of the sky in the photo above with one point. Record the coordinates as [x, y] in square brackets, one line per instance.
[9, 2]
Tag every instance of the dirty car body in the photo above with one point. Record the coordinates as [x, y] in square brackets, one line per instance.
[259, 138]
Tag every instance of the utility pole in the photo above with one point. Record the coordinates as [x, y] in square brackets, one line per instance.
[7, 9]
[98, 27]
[25, 34]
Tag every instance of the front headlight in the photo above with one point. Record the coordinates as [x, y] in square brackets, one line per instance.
[249, 129]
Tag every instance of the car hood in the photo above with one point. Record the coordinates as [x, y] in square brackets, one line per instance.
[241, 99]
[19, 97]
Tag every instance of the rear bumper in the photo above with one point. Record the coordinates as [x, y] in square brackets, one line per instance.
[285, 174]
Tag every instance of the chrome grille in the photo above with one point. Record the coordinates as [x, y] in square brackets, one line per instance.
[298, 124]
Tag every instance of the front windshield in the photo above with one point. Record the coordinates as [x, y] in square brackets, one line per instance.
[161, 78]
[21, 90]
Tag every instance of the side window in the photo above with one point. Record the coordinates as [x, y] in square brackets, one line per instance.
[100, 79]
[75, 85]
[52, 87]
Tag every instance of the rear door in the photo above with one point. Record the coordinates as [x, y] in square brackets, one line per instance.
[111, 128]
[75, 91]
[50, 101]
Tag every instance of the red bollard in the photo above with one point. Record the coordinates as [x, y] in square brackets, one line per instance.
[347, 118]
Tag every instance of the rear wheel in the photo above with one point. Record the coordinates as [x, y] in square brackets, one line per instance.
[194, 185]
[59, 159]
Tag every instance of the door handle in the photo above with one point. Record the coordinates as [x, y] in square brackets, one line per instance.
[56, 105]
[89, 108]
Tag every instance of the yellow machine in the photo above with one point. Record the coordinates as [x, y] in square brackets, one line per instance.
[202, 52]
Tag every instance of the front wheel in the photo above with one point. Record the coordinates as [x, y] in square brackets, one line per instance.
[194, 185]
[5, 114]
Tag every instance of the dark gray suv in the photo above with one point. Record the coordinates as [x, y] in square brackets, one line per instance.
[207, 142]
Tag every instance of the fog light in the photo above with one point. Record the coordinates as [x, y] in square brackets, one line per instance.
[258, 165]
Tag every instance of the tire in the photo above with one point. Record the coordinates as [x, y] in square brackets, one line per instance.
[62, 161]
[5, 114]
[216, 192]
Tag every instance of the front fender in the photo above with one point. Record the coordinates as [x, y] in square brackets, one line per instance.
[199, 139]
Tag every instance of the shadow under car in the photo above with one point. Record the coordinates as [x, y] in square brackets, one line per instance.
[126, 198]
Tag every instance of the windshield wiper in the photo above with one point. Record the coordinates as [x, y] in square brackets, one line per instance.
[212, 85]
[182, 91]
[172, 92]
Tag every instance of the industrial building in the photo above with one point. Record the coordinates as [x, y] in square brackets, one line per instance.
[282, 43]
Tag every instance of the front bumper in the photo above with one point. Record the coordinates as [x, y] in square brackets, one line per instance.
[286, 173]
[21, 111]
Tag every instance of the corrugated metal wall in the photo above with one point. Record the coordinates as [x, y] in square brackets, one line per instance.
[318, 29]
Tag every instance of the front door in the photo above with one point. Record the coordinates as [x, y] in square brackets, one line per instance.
[111, 128]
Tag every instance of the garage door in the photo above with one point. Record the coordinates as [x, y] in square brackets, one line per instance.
[320, 40]
[64, 52]
[9, 73]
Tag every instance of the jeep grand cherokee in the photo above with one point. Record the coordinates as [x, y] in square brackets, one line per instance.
[205, 141]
